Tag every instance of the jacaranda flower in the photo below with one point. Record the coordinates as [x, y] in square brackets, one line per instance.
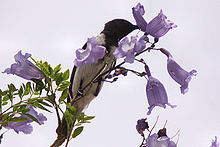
[180, 75]
[156, 94]
[138, 13]
[128, 48]
[159, 26]
[24, 68]
[141, 126]
[91, 54]
[164, 141]
[215, 143]
[25, 126]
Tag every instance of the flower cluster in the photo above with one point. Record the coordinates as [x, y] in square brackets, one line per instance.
[159, 139]
[157, 27]
[128, 49]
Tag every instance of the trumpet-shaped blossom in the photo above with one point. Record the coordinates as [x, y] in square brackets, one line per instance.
[138, 12]
[128, 48]
[156, 94]
[159, 25]
[164, 141]
[24, 68]
[25, 126]
[141, 126]
[180, 75]
[91, 54]
[215, 143]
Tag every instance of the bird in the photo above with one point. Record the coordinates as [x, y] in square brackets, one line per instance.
[112, 33]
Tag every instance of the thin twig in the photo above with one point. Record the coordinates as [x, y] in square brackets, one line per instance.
[142, 140]
[153, 125]
[177, 133]
[137, 54]
[165, 124]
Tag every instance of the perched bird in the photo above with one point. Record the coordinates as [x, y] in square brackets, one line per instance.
[113, 32]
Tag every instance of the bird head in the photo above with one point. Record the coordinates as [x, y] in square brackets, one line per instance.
[117, 29]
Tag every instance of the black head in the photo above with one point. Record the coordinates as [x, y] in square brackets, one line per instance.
[117, 29]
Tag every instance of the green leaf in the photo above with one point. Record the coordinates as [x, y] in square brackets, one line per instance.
[43, 103]
[5, 98]
[15, 108]
[39, 84]
[24, 111]
[64, 85]
[58, 78]
[20, 92]
[50, 99]
[71, 109]
[21, 108]
[10, 96]
[68, 117]
[77, 131]
[32, 117]
[64, 95]
[27, 88]
[66, 74]
[4, 103]
[4, 123]
[11, 88]
[41, 107]
[57, 68]
[89, 117]
[18, 119]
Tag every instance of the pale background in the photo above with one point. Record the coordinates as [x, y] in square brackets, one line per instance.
[53, 29]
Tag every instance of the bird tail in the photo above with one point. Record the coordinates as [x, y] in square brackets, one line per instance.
[59, 141]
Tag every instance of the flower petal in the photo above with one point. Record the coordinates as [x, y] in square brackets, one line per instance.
[180, 75]
[24, 68]
[159, 26]
[156, 94]
[154, 141]
[25, 126]
[91, 54]
[138, 13]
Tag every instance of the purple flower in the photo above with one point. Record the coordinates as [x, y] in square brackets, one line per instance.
[91, 54]
[25, 126]
[141, 126]
[24, 68]
[128, 48]
[138, 13]
[180, 75]
[164, 141]
[215, 143]
[156, 94]
[159, 26]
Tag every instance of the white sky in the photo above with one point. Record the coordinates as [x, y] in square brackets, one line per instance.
[53, 29]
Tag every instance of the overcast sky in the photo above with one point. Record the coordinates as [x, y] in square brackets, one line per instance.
[53, 29]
